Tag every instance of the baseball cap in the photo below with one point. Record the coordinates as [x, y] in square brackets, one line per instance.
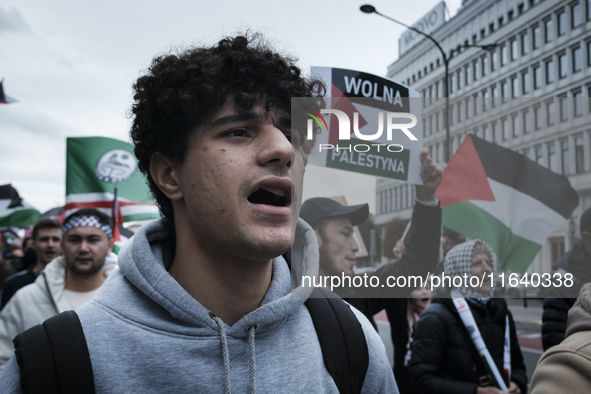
[318, 208]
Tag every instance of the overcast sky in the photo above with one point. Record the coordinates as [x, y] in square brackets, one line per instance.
[70, 64]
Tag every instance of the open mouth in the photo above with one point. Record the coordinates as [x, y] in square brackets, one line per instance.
[425, 299]
[270, 196]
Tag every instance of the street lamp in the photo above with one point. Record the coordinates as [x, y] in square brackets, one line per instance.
[369, 9]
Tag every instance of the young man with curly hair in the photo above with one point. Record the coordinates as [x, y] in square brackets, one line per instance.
[203, 301]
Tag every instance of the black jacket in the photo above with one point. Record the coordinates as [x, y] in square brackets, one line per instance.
[444, 358]
[561, 298]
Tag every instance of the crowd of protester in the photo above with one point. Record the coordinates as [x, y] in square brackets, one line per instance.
[200, 272]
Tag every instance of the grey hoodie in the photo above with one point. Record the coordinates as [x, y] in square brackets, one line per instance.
[146, 334]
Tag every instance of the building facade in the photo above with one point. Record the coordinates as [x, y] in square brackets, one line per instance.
[530, 94]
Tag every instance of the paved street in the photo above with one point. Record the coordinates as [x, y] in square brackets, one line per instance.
[528, 321]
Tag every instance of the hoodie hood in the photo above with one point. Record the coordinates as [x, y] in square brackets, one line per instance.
[145, 259]
[53, 277]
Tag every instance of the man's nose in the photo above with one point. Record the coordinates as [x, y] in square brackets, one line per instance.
[276, 148]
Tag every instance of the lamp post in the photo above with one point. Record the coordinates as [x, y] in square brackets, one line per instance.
[369, 9]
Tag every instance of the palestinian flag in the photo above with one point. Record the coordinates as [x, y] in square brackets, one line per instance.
[121, 235]
[94, 167]
[14, 212]
[4, 99]
[502, 197]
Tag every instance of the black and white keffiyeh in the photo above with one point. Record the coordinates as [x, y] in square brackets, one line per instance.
[87, 221]
[458, 262]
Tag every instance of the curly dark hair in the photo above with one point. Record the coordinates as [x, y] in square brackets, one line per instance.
[181, 91]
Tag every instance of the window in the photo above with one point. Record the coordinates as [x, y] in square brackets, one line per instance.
[524, 44]
[579, 154]
[552, 157]
[504, 90]
[514, 86]
[484, 133]
[519, 8]
[536, 37]
[561, 18]
[482, 33]
[467, 75]
[537, 77]
[565, 157]
[467, 106]
[505, 128]
[525, 116]
[550, 113]
[588, 9]
[491, 28]
[589, 53]
[549, 71]
[562, 67]
[484, 65]
[459, 79]
[556, 248]
[475, 69]
[503, 55]
[459, 112]
[539, 155]
[494, 93]
[515, 125]
[577, 59]
[485, 100]
[548, 30]
[577, 102]
[493, 61]
[538, 117]
[451, 114]
[525, 82]
[475, 104]
[526, 153]
[575, 13]
[514, 50]
[493, 136]
[563, 102]
[452, 82]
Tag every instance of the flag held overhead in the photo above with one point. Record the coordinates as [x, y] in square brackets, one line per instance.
[14, 211]
[502, 197]
[94, 167]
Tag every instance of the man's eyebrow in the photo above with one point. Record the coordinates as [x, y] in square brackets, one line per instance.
[233, 118]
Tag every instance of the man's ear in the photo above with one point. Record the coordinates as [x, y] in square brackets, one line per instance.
[318, 237]
[166, 176]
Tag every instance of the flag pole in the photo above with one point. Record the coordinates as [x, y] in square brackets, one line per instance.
[114, 214]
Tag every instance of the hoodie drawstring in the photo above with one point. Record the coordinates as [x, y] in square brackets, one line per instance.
[252, 369]
[252, 365]
[225, 355]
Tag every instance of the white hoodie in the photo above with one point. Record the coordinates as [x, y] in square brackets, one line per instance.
[37, 302]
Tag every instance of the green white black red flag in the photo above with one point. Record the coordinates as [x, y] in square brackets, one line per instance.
[93, 166]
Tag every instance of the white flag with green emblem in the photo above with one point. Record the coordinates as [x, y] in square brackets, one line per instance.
[94, 166]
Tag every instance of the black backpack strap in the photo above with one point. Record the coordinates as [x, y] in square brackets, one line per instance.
[53, 357]
[341, 337]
